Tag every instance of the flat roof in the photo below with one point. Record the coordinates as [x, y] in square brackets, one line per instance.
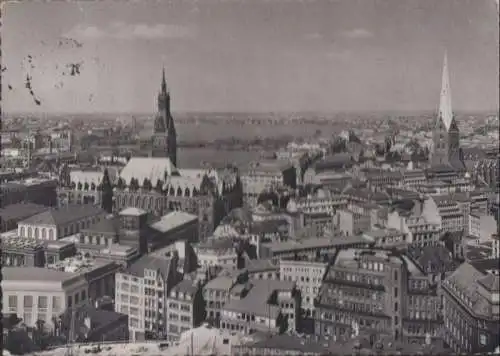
[38, 274]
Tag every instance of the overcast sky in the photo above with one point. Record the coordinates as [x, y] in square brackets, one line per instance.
[254, 55]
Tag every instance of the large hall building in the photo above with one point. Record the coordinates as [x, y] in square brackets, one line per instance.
[155, 184]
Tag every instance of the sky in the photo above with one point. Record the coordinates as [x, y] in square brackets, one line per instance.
[255, 56]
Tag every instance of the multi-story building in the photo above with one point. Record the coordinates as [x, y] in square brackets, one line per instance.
[308, 276]
[185, 308]
[377, 290]
[22, 252]
[355, 219]
[142, 291]
[33, 190]
[34, 293]
[217, 252]
[57, 223]
[482, 226]
[413, 178]
[322, 202]
[420, 232]
[387, 238]
[216, 294]
[262, 305]
[471, 307]
[99, 274]
[488, 170]
[444, 211]
[264, 175]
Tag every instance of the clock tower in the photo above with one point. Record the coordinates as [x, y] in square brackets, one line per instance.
[164, 138]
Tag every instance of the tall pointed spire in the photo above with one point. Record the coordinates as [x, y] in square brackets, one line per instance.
[163, 82]
[445, 111]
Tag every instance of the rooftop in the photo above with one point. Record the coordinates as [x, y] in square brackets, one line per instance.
[257, 299]
[173, 220]
[63, 215]
[21, 211]
[35, 274]
[132, 212]
[156, 263]
[77, 264]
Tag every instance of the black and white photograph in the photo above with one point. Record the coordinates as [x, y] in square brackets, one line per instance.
[249, 177]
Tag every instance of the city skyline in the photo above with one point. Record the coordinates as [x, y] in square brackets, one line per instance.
[282, 57]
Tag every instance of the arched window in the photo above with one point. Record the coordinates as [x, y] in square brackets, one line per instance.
[44, 233]
[179, 192]
[187, 192]
[36, 233]
[51, 234]
[171, 191]
[137, 201]
[194, 192]
[30, 232]
[144, 203]
[131, 201]
[151, 202]
[23, 231]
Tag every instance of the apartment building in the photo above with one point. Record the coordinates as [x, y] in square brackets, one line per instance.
[413, 178]
[262, 305]
[419, 231]
[445, 212]
[263, 175]
[34, 293]
[308, 274]
[471, 306]
[379, 291]
[482, 226]
[217, 252]
[185, 308]
[99, 274]
[141, 293]
[216, 294]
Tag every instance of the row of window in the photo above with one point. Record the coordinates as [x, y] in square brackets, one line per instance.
[42, 302]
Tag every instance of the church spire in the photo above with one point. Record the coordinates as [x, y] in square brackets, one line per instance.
[445, 111]
[163, 82]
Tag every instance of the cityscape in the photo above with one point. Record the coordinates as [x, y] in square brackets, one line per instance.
[250, 178]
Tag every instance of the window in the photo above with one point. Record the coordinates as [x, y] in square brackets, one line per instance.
[56, 304]
[84, 295]
[483, 339]
[28, 301]
[12, 301]
[395, 292]
[42, 302]
[69, 302]
[395, 275]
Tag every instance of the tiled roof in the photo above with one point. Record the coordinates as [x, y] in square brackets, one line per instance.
[63, 215]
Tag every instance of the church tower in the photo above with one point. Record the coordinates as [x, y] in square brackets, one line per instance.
[446, 135]
[164, 139]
